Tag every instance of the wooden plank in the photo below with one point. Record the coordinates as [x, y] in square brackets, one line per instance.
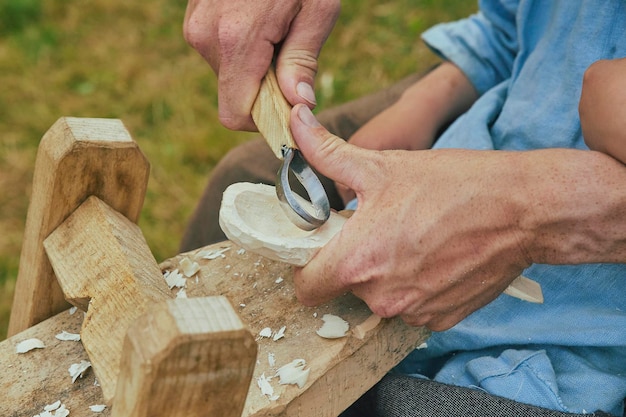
[263, 295]
[32, 380]
[76, 158]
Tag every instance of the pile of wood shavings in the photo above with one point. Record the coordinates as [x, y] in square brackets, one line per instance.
[54, 410]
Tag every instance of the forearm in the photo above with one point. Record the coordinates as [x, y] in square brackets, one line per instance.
[575, 206]
[421, 112]
[603, 107]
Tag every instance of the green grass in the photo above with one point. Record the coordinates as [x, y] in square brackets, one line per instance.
[128, 60]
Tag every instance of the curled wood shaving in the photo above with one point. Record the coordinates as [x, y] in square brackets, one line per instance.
[97, 408]
[266, 332]
[54, 410]
[334, 327]
[213, 254]
[266, 388]
[293, 373]
[68, 337]
[279, 334]
[77, 370]
[28, 345]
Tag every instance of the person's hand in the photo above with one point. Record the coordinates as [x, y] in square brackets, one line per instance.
[435, 236]
[238, 39]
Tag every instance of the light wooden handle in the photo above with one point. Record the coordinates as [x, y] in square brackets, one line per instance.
[271, 113]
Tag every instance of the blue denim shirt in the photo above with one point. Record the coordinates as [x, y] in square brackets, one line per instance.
[526, 58]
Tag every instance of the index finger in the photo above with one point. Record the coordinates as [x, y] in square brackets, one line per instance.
[322, 279]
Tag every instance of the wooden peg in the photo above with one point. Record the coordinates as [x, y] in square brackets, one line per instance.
[251, 217]
[186, 358]
[76, 158]
[271, 112]
[105, 267]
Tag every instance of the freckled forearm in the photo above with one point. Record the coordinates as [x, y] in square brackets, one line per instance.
[576, 209]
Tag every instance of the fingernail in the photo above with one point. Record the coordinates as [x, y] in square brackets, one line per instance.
[305, 91]
[307, 117]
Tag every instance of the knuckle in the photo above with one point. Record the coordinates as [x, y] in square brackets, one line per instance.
[232, 122]
[384, 308]
[195, 33]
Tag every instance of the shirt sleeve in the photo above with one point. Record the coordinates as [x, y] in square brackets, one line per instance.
[483, 45]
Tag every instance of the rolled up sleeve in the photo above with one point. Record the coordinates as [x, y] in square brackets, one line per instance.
[483, 45]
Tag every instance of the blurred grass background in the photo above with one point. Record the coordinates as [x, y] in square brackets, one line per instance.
[128, 60]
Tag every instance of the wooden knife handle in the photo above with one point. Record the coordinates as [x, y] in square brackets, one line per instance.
[271, 113]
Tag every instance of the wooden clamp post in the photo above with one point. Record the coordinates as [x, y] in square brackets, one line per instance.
[151, 356]
[76, 158]
[189, 357]
[105, 268]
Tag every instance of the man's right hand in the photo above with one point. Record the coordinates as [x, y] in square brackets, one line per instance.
[238, 39]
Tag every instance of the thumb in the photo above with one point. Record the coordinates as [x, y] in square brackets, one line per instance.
[330, 155]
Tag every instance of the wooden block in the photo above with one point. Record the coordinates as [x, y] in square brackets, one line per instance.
[271, 112]
[186, 358]
[250, 216]
[105, 267]
[76, 158]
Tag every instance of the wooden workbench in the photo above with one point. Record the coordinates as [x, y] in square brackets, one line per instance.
[262, 293]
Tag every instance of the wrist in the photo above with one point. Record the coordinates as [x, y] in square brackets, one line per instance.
[574, 211]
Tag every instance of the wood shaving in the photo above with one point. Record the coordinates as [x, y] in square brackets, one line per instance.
[53, 406]
[190, 268]
[266, 388]
[267, 332]
[73, 310]
[68, 337]
[182, 293]
[279, 334]
[54, 410]
[271, 359]
[241, 251]
[174, 279]
[279, 280]
[293, 373]
[213, 254]
[334, 327]
[97, 408]
[77, 370]
[28, 345]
